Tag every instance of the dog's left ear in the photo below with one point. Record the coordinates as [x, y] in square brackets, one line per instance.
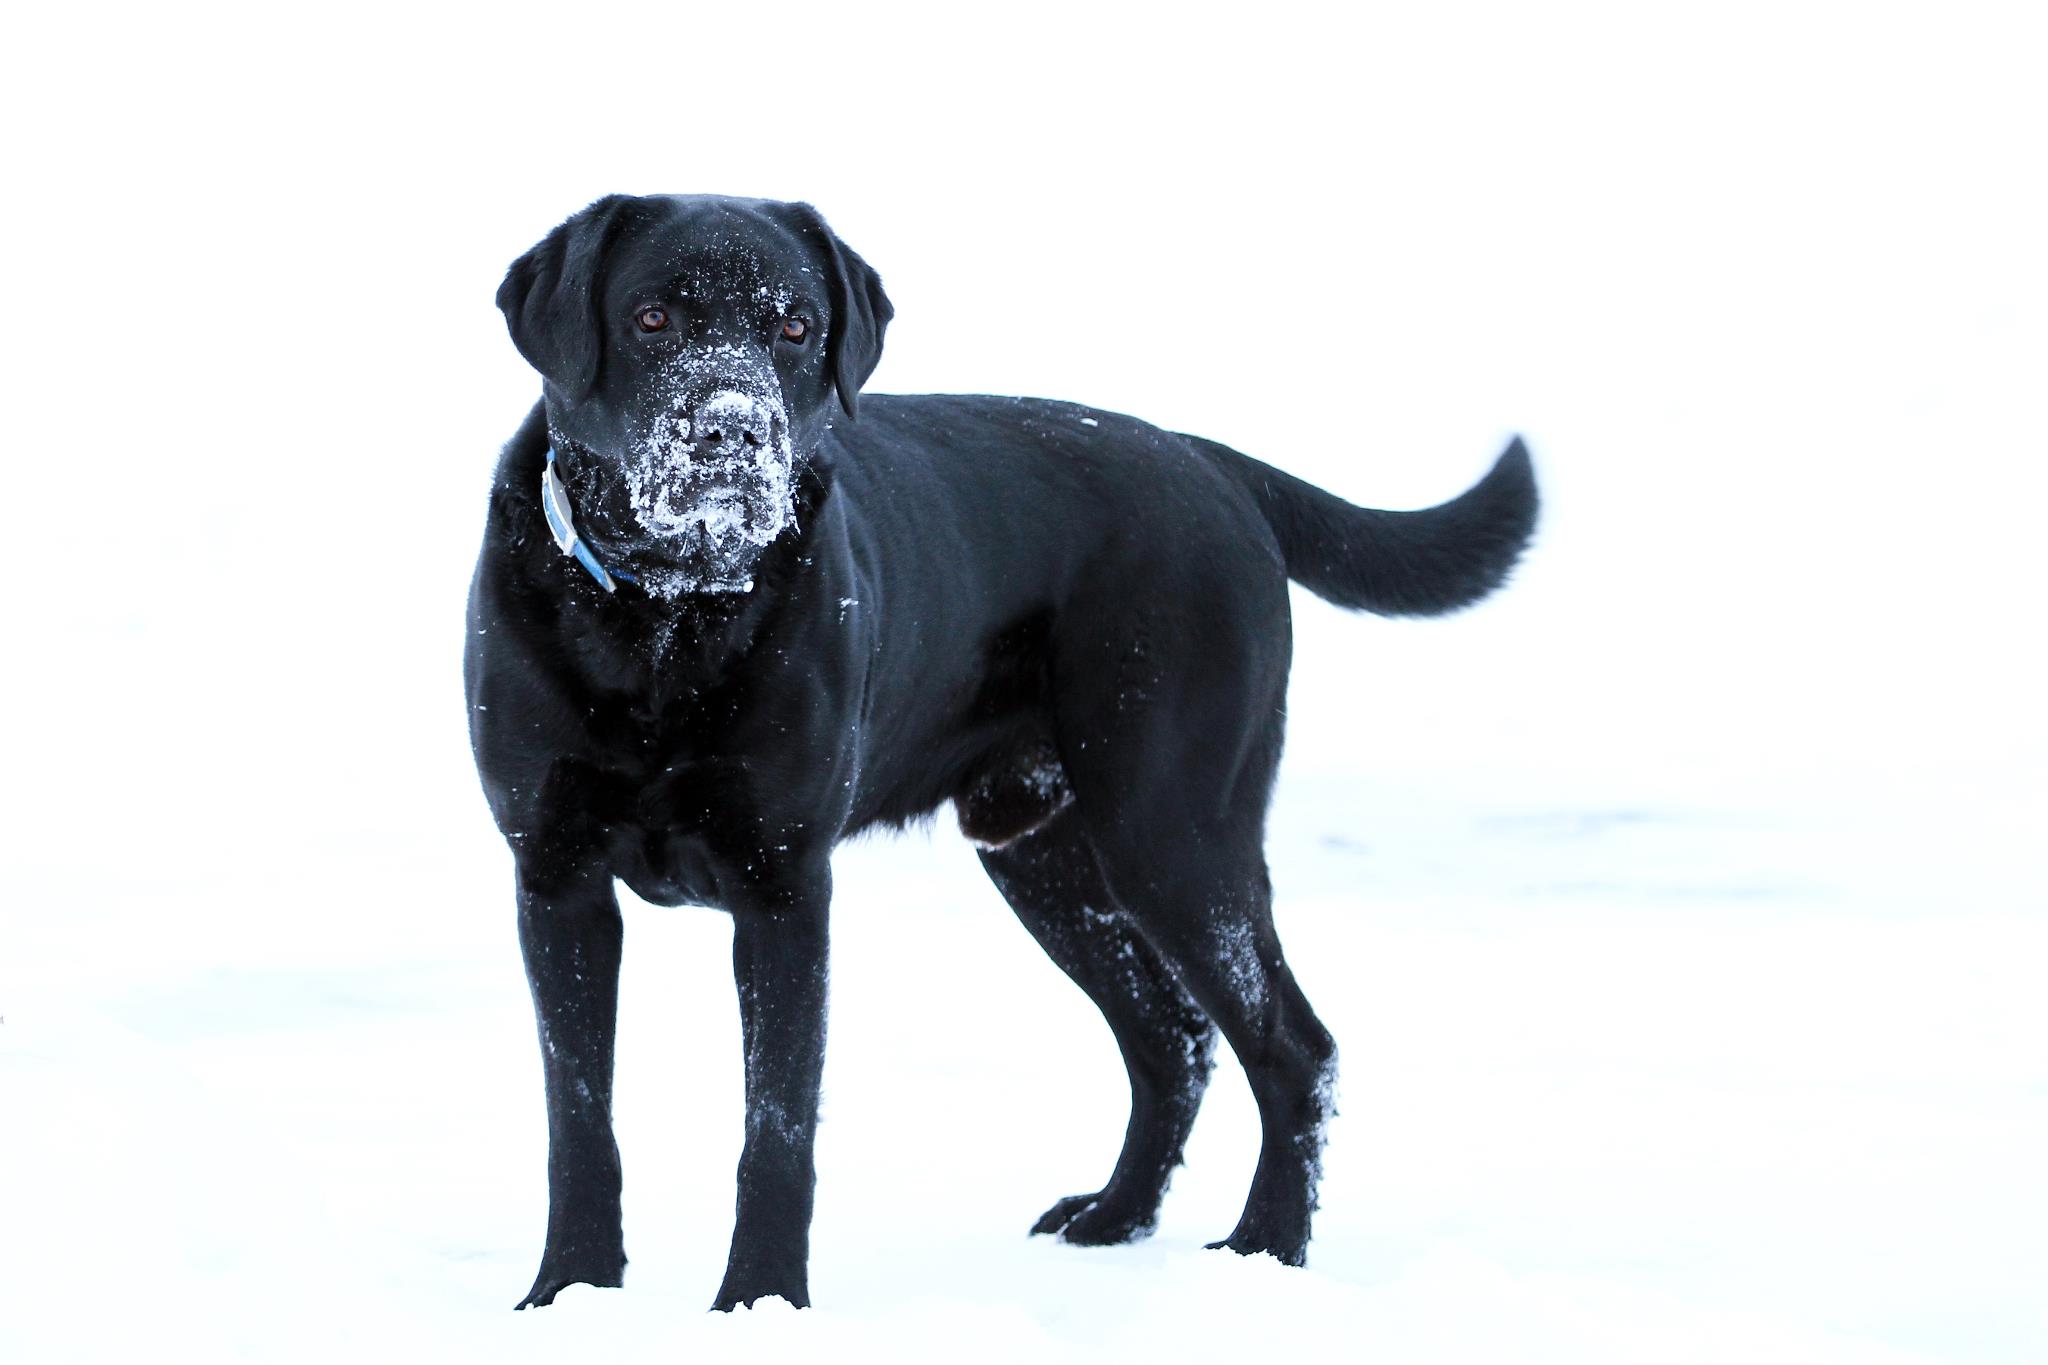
[860, 310]
[550, 298]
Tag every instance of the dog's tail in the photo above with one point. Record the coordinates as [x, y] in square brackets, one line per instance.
[1421, 563]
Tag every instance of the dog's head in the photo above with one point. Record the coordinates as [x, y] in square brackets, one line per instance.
[693, 348]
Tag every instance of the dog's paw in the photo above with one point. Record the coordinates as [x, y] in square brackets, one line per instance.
[552, 1281]
[1094, 1220]
[750, 1279]
[1287, 1251]
[731, 1296]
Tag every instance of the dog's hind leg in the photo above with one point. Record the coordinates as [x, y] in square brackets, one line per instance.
[1170, 721]
[1051, 880]
[1206, 907]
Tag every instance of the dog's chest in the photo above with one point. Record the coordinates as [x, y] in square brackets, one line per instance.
[693, 808]
[673, 867]
[681, 834]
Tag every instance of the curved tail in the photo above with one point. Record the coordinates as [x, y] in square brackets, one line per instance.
[1421, 563]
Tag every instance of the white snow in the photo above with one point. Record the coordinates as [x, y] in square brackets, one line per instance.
[1680, 915]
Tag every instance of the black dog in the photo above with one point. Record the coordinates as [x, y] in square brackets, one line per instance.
[772, 629]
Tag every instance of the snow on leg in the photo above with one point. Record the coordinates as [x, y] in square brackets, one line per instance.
[1210, 916]
[1051, 880]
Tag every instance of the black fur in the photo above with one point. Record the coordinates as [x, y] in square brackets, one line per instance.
[1070, 624]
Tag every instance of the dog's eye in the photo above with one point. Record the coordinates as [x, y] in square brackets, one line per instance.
[795, 329]
[652, 319]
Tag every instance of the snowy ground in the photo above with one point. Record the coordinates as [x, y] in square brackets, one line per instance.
[1623, 1078]
[1679, 914]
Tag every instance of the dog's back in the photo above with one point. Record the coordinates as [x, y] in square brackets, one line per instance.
[1043, 488]
[1013, 556]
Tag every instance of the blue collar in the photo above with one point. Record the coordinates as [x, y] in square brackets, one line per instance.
[554, 504]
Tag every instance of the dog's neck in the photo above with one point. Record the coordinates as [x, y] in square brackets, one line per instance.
[561, 518]
[666, 646]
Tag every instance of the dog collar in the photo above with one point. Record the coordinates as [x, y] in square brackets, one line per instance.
[554, 505]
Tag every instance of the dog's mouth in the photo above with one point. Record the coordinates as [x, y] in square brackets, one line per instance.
[681, 519]
[697, 502]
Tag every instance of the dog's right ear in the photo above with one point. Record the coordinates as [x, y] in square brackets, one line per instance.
[550, 298]
[860, 310]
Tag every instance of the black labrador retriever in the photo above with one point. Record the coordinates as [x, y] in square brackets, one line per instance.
[719, 625]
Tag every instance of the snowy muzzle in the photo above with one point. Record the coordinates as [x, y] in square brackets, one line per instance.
[712, 487]
[705, 481]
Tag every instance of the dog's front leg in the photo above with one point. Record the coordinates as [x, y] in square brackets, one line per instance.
[779, 965]
[570, 933]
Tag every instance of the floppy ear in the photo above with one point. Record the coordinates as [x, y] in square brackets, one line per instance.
[860, 311]
[550, 298]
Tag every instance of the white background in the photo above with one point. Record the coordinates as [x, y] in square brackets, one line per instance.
[1679, 912]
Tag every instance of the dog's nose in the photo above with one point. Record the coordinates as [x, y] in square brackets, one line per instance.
[729, 421]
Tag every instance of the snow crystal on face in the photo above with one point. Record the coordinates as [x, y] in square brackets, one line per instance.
[778, 295]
